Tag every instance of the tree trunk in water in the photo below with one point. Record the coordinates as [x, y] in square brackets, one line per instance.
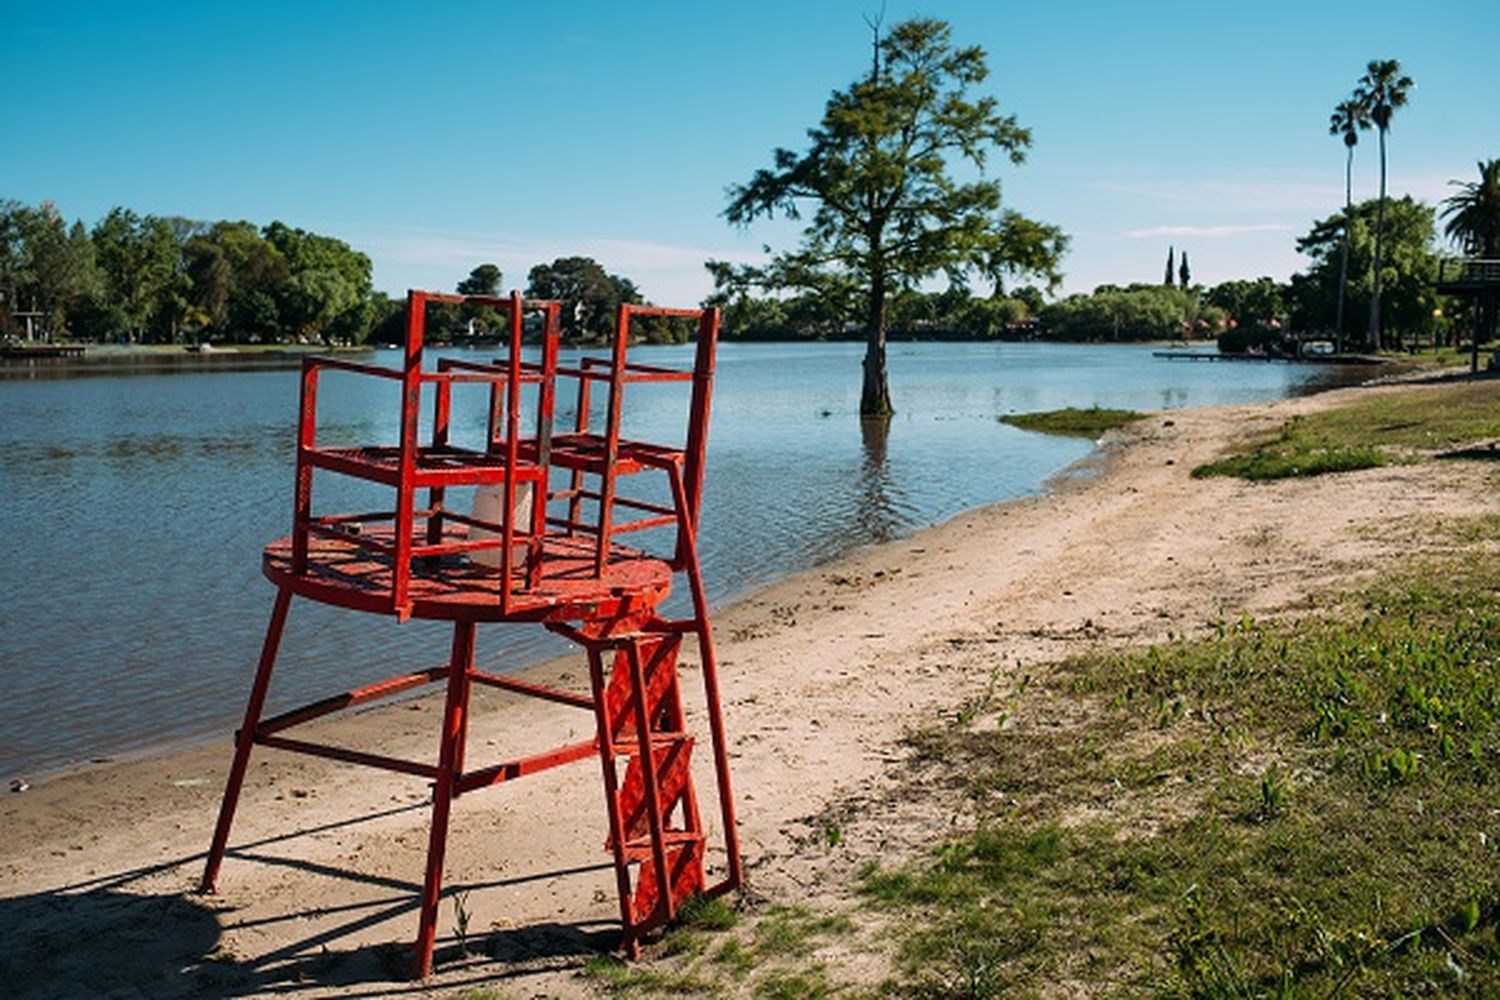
[1379, 235]
[875, 397]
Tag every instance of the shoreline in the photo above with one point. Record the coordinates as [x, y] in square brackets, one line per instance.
[822, 670]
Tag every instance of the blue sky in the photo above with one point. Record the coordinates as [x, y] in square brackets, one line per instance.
[518, 132]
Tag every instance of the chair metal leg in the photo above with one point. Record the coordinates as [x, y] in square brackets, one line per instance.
[450, 753]
[244, 739]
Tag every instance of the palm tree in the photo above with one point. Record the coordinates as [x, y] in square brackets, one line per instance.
[1474, 223]
[1474, 213]
[1381, 90]
[1348, 120]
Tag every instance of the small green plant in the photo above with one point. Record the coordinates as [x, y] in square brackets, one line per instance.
[1272, 793]
[833, 834]
[461, 917]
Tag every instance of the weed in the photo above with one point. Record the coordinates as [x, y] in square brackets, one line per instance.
[461, 917]
[1272, 793]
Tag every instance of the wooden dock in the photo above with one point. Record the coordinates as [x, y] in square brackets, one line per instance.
[1314, 359]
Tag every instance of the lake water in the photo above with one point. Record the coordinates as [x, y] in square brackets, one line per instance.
[136, 505]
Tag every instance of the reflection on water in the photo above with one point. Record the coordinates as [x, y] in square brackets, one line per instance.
[136, 508]
[883, 511]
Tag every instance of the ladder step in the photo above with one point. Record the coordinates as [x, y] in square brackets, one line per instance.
[630, 746]
[639, 849]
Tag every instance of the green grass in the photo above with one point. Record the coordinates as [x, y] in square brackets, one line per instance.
[1279, 809]
[1072, 422]
[1371, 432]
[1295, 452]
[637, 979]
[769, 955]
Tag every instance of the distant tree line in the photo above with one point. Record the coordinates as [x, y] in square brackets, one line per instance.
[1241, 314]
[590, 299]
[156, 279]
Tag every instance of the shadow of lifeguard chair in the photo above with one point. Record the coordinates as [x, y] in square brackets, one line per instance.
[533, 550]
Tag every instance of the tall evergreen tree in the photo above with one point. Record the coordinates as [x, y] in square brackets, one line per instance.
[1185, 275]
[1167, 279]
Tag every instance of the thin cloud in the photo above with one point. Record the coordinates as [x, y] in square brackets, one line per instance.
[1207, 232]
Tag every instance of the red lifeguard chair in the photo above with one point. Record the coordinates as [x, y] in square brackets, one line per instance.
[545, 553]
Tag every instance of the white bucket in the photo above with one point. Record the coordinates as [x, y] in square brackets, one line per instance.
[489, 501]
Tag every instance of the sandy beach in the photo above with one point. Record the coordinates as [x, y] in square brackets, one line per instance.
[823, 673]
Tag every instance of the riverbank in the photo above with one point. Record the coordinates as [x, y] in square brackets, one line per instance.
[824, 673]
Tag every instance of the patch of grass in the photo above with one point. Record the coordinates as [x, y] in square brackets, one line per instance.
[1295, 452]
[1367, 432]
[1280, 809]
[1424, 418]
[735, 957]
[810, 984]
[629, 979]
[707, 913]
[794, 931]
[1073, 422]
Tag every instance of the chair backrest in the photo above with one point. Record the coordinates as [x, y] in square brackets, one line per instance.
[608, 454]
[411, 465]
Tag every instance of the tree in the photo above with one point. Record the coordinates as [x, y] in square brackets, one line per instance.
[47, 268]
[1184, 273]
[1140, 312]
[590, 295]
[1349, 118]
[1381, 91]
[138, 259]
[483, 280]
[1255, 303]
[1474, 213]
[1474, 224]
[1408, 268]
[886, 213]
[258, 273]
[1167, 278]
[327, 290]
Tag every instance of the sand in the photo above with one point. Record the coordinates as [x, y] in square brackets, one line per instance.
[823, 673]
